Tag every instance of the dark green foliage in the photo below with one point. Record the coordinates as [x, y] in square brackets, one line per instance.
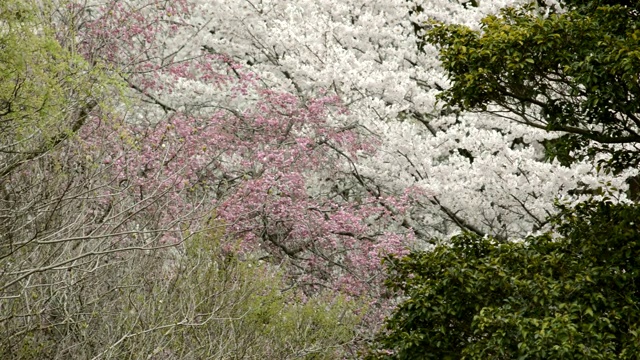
[575, 72]
[572, 297]
[560, 149]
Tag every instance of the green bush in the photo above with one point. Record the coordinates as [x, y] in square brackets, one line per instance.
[574, 296]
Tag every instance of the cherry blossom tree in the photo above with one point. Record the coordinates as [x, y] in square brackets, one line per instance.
[213, 137]
[434, 170]
[466, 171]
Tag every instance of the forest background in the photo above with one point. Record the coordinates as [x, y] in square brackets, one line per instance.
[233, 179]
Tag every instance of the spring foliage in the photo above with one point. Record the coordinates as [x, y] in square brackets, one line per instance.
[107, 179]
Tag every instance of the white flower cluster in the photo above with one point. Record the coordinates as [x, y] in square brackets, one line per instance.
[474, 170]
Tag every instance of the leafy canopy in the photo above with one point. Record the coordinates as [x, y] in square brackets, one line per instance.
[574, 296]
[575, 71]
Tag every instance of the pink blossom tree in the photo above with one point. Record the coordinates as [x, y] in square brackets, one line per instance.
[211, 138]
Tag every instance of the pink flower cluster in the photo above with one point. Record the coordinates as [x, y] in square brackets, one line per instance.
[264, 162]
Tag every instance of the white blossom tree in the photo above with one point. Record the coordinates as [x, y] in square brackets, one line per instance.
[462, 171]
